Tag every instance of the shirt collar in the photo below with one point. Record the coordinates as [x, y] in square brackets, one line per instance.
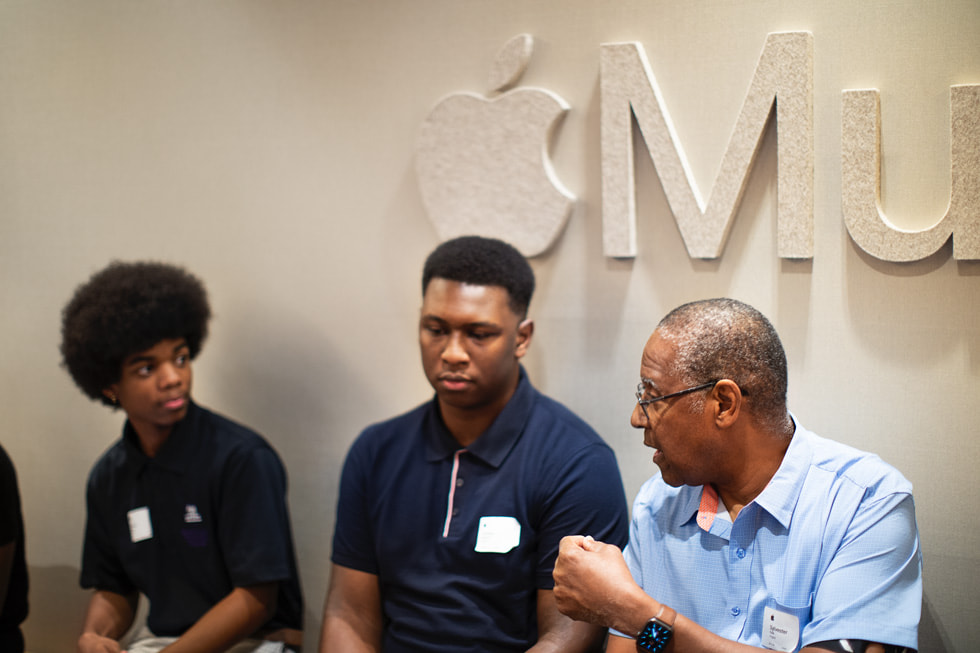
[178, 448]
[780, 496]
[689, 499]
[496, 442]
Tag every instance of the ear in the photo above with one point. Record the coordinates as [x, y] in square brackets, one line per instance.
[728, 403]
[112, 394]
[525, 331]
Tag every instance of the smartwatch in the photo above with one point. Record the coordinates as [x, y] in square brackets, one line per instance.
[657, 632]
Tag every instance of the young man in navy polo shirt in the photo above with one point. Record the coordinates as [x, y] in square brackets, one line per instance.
[188, 508]
[450, 515]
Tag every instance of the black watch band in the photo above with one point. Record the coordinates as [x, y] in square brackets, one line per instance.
[657, 632]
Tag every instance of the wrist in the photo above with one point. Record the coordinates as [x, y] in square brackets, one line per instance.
[658, 631]
[636, 617]
[92, 641]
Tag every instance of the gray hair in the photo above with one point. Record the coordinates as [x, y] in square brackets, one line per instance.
[728, 339]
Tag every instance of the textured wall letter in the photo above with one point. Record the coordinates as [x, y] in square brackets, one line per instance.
[784, 76]
[861, 181]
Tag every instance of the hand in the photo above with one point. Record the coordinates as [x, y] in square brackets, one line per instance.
[93, 643]
[593, 583]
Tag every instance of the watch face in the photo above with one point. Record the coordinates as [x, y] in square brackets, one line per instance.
[654, 636]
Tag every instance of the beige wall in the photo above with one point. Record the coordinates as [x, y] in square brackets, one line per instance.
[268, 146]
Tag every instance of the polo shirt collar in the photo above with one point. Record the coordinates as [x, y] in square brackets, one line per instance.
[497, 441]
[176, 451]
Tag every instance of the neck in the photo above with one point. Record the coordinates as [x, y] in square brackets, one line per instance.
[467, 424]
[757, 467]
[151, 437]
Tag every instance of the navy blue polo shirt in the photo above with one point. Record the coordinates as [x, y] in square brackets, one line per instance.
[207, 514]
[462, 539]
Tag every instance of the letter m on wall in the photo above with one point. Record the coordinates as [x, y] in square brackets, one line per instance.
[783, 79]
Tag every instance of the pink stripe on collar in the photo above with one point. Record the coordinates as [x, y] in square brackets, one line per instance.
[708, 508]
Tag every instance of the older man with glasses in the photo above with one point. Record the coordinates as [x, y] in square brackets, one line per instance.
[757, 534]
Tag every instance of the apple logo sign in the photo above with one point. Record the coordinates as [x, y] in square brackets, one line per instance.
[482, 163]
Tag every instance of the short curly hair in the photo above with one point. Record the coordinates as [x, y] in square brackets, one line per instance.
[484, 262]
[124, 309]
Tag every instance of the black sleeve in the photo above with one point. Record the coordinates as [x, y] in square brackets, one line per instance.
[855, 646]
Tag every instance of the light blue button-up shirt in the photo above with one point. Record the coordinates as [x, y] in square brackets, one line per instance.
[831, 543]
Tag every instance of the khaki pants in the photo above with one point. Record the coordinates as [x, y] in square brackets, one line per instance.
[147, 642]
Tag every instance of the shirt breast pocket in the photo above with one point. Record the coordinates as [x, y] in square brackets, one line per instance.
[783, 622]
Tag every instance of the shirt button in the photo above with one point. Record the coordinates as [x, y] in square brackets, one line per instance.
[459, 482]
[736, 611]
[740, 553]
[455, 511]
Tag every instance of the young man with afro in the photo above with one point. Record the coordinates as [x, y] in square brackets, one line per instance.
[188, 507]
[450, 515]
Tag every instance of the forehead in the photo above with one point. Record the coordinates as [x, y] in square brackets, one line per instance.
[163, 349]
[658, 359]
[455, 301]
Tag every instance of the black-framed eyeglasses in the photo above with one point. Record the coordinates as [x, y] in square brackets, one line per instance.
[641, 388]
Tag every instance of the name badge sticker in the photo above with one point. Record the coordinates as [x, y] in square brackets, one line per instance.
[780, 630]
[497, 534]
[140, 527]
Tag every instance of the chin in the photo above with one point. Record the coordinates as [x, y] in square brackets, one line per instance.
[461, 400]
[670, 479]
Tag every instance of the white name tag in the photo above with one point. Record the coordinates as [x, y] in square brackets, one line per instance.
[497, 534]
[140, 527]
[780, 631]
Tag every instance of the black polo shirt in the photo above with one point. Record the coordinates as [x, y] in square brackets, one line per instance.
[207, 514]
[462, 539]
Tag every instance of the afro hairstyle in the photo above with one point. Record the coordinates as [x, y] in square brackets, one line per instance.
[483, 262]
[124, 309]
